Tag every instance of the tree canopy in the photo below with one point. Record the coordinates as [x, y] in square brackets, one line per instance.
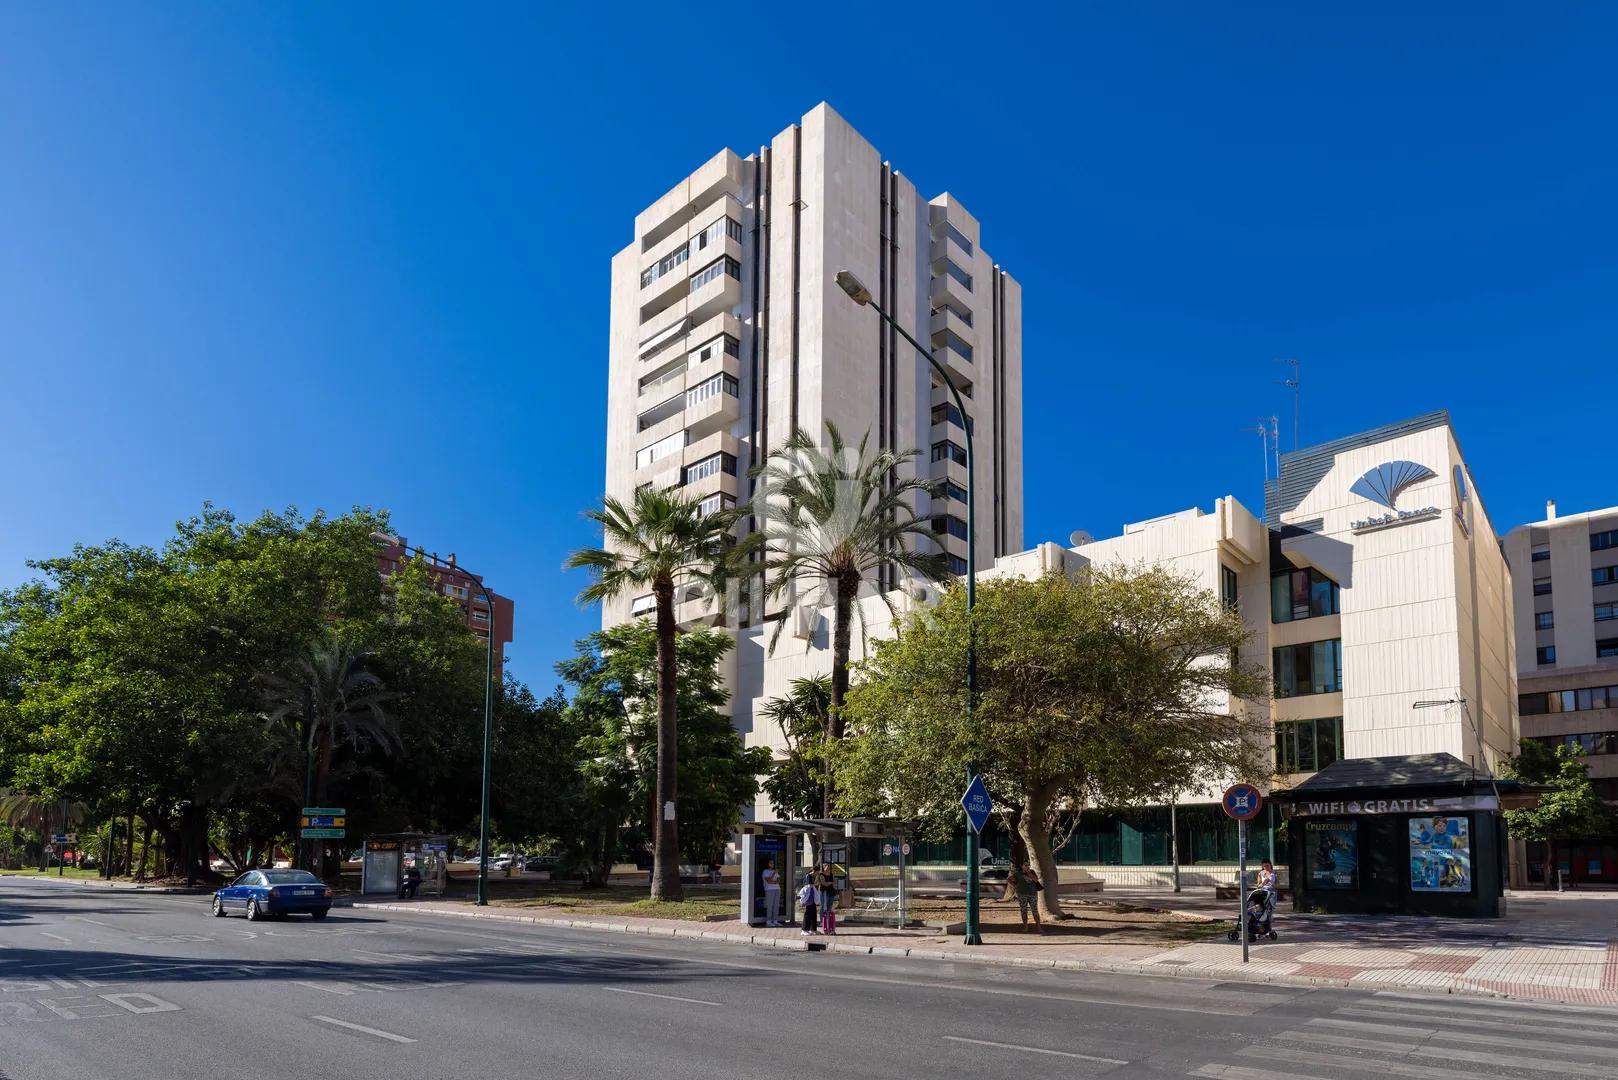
[1104, 689]
[1571, 809]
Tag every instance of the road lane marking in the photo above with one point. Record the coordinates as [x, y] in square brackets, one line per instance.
[61, 983]
[1236, 1072]
[56, 937]
[336, 988]
[665, 997]
[1037, 1050]
[98, 922]
[1276, 1055]
[361, 1027]
[140, 1004]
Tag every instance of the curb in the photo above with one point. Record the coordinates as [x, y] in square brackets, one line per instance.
[98, 883]
[1122, 967]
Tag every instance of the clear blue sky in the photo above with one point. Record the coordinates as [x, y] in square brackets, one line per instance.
[359, 254]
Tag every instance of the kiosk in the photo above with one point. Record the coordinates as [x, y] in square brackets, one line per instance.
[390, 858]
[1415, 835]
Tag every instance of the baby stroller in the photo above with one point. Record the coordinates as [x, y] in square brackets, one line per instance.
[1260, 916]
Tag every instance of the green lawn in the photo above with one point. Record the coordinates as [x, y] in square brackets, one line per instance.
[72, 872]
[698, 904]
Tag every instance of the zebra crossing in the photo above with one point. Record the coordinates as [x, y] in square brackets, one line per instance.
[1401, 1035]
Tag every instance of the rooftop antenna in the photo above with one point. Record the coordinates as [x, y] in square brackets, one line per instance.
[1275, 441]
[1296, 383]
[1264, 444]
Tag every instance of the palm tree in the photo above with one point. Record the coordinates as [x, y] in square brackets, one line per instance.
[325, 696]
[831, 515]
[657, 543]
[797, 783]
[20, 810]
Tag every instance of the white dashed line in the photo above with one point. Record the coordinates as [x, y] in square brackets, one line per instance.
[56, 937]
[665, 997]
[1037, 1050]
[390, 1036]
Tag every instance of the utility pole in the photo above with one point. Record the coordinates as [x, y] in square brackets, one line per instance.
[1296, 382]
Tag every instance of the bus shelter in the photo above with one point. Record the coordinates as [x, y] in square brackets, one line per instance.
[783, 845]
[389, 860]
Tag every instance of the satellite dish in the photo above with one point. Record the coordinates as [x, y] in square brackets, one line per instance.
[1078, 538]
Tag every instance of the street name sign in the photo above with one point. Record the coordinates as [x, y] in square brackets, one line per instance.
[976, 804]
[324, 834]
[324, 811]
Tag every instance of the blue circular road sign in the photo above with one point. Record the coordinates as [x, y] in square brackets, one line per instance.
[1243, 802]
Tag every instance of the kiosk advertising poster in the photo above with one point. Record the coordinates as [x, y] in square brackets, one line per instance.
[769, 855]
[1440, 854]
[1332, 853]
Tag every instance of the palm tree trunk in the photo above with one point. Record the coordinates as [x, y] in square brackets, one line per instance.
[848, 587]
[666, 845]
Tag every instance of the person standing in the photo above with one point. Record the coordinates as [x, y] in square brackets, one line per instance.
[806, 900]
[1024, 884]
[772, 893]
[826, 896]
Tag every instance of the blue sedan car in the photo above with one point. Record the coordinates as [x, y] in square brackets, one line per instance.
[263, 893]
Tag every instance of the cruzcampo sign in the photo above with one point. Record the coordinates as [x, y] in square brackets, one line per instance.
[1423, 805]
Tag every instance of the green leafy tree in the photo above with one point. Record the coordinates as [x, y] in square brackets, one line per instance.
[659, 542]
[832, 515]
[798, 783]
[615, 707]
[1571, 809]
[1102, 689]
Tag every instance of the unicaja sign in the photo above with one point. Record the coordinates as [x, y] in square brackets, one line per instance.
[1382, 485]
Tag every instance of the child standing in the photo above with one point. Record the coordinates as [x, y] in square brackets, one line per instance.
[806, 900]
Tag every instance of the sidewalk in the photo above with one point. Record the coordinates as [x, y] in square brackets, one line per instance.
[1552, 947]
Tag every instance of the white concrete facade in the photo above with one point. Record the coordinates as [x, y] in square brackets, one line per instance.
[728, 333]
[1565, 587]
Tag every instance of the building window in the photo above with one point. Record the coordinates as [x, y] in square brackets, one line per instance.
[1542, 586]
[712, 465]
[714, 503]
[947, 449]
[1227, 587]
[958, 274]
[668, 374]
[1606, 647]
[459, 592]
[1542, 553]
[1302, 594]
[949, 523]
[710, 348]
[952, 490]
[1606, 612]
[1601, 541]
[1303, 746]
[660, 412]
[1315, 667]
[725, 226]
[959, 237]
[643, 605]
[1603, 575]
[713, 270]
[1589, 742]
[1564, 701]
[948, 414]
[707, 388]
[479, 615]
[665, 264]
[1545, 655]
[957, 565]
[662, 448]
[1544, 620]
[951, 340]
[955, 309]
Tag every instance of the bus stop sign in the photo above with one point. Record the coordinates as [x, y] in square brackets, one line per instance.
[1243, 802]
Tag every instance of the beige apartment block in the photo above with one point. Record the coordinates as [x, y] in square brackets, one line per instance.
[728, 332]
[1565, 584]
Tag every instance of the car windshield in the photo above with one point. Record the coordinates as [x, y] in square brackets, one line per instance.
[290, 877]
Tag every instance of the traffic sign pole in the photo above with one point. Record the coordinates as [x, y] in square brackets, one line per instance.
[1242, 802]
[1241, 879]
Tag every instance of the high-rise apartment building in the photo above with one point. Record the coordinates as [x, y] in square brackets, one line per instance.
[1564, 573]
[728, 332]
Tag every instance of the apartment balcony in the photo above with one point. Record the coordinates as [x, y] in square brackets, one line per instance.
[959, 367]
[664, 383]
[719, 483]
[721, 292]
[720, 175]
[945, 319]
[945, 246]
[712, 405]
[949, 469]
[945, 287]
[664, 291]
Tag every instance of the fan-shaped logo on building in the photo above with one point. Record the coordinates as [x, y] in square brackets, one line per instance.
[1382, 485]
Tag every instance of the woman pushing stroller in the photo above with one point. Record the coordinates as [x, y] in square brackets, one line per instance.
[1259, 909]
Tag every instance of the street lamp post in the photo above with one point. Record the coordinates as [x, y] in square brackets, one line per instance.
[858, 293]
[488, 709]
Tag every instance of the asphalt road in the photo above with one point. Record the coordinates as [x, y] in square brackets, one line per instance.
[104, 985]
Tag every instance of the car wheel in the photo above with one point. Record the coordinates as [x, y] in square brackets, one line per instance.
[254, 912]
[320, 913]
[218, 908]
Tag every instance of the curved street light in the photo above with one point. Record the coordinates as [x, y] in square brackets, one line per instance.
[858, 293]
